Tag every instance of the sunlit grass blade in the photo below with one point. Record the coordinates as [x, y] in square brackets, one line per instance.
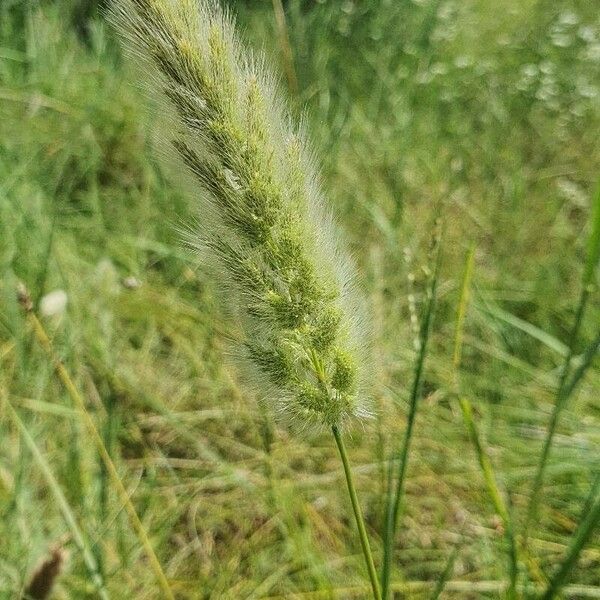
[109, 435]
[583, 533]
[494, 492]
[467, 412]
[564, 390]
[461, 313]
[395, 497]
[593, 254]
[531, 330]
[61, 500]
[45, 342]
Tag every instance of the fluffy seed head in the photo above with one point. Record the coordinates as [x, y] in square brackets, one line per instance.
[261, 219]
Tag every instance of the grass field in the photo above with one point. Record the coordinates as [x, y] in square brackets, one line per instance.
[482, 115]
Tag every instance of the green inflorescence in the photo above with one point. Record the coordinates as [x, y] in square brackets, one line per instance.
[262, 225]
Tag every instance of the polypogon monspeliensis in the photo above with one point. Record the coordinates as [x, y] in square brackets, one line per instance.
[262, 223]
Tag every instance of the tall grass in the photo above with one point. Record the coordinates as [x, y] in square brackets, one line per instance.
[42, 338]
[466, 408]
[408, 104]
[565, 387]
[62, 502]
[395, 491]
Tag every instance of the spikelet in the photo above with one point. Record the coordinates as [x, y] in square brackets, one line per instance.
[45, 575]
[261, 219]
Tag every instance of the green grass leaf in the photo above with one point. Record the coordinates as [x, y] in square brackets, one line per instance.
[394, 498]
[582, 535]
[62, 502]
[593, 249]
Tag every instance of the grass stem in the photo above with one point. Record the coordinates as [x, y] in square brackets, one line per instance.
[564, 390]
[65, 378]
[580, 538]
[394, 500]
[493, 491]
[360, 522]
[78, 536]
[466, 408]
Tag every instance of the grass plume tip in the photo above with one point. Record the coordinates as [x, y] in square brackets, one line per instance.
[262, 222]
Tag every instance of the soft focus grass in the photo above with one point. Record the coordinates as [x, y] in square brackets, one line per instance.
[413, 106]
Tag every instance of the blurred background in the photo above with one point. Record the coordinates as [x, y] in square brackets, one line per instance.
[484, 114]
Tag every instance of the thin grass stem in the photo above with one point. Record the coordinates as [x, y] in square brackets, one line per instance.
[466, 408]
[394, 500]
[62, 373]
[360, 522]
[580, 538]
[78, 536]
[493, 491]
[564, 390]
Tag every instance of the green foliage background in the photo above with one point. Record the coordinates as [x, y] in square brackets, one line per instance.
[488, 114]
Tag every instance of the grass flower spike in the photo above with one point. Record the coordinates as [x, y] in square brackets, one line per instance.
[262, 223]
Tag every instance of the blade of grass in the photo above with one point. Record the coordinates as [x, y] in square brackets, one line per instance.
[580, 538]
[493, 491]
[462, 312]
[563, 390]
[593, 250]
[109, 434]
[592, 494]
[531, 330]
[44, 341]
[485, 463]
[394, 499]
[61, 500]
[587, 358]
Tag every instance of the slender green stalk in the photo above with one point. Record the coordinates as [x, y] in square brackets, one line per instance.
[580, 538]
[592, 495]
[587, 358]
[494, 492]
[560, 401]
[360, 523]
[564, 391]
[461, 313]
[394, 500]
[108, 434]
[63, 504]
[466, 408]
[65, 378]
